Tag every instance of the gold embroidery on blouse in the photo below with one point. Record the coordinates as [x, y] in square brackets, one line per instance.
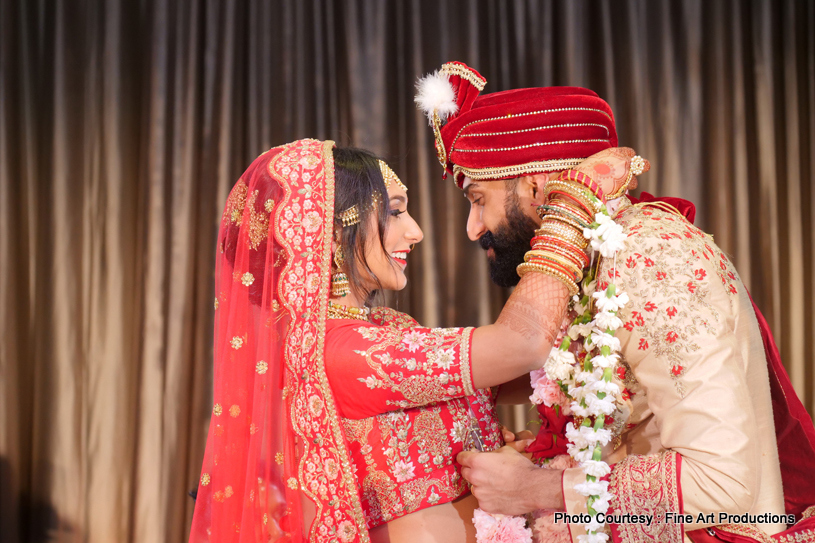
[437, 345]
[464, 357]
[400, 490]
[431, 435]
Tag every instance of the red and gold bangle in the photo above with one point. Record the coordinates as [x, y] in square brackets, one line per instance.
[569, 210]
[565, 219]
[562, 231]
[576, 191]
[547, 257]
[547, 240]
[579, 257]
[537, 254]
[583, 179]
[526, 267]
[584, 205]
[561, 264]
[573, 275]
[571, 207]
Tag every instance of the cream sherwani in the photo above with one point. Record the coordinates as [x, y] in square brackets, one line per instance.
[700, 434]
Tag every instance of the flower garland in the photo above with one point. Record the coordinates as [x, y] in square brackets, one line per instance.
[581, 386]
[578, 379]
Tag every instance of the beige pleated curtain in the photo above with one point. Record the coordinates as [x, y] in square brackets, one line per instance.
[124, 123]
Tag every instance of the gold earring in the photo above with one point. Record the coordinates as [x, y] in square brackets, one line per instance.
[340, 286]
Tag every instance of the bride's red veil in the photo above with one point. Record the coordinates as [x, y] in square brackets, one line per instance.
[276, 466]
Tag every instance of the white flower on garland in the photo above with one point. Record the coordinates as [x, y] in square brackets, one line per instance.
[580, 330]
[607, 320]
[592, 488]
[560, 365]
[596, 468]
[593, 537]
[602, 339]
[606, 237]
[590, 386]
[604, 302]
[603, 361]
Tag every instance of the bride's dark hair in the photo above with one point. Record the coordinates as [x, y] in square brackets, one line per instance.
[358, 182]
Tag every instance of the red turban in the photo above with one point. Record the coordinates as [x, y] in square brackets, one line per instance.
[517, 132]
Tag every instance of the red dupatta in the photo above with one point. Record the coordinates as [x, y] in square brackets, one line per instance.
[276, 466]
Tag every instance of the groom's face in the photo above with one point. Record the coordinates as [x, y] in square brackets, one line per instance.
[501, 225]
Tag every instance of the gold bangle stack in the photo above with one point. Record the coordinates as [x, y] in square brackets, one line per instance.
[558, 248]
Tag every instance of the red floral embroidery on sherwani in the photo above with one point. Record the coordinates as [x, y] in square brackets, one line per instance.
[407, 404]
[698, 432]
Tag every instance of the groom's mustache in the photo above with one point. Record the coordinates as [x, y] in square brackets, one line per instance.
[487, 240]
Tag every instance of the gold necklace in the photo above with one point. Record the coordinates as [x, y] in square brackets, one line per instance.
[338, 311]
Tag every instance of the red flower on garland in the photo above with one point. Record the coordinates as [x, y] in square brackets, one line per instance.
[551, 439]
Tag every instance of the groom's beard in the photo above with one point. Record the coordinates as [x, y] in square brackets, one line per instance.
[509, 243]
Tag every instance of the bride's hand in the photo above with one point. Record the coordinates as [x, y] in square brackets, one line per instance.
[519, 441]
[610, 169]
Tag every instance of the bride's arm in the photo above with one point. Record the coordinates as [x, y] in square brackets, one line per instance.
[523, 334]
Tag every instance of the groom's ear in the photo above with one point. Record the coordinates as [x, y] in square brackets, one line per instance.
[535, 184]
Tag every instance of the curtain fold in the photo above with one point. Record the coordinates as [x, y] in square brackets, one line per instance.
[124, 124]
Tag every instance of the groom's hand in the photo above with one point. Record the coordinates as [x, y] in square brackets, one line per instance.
[506, 482]
[610, 168]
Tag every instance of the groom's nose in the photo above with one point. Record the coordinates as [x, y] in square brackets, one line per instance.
[475, 228]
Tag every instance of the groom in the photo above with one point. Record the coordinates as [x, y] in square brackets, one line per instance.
[709, 422]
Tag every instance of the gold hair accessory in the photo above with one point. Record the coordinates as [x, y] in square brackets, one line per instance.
[352, 216]
[349, 216]
[388, 175]
[340, 286]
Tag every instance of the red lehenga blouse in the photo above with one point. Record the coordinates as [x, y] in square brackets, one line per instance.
[407, 404]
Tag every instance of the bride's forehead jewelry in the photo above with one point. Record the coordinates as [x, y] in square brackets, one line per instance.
[352, 215]
[390, 176]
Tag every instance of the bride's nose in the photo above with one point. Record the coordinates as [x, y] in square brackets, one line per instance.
[414, 232]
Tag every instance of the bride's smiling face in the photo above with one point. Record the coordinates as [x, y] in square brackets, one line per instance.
[402, 232]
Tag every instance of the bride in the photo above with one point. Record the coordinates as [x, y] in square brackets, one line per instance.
[333, 420]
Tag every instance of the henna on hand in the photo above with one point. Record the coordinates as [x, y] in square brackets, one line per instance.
[535, 307]
[610, 168]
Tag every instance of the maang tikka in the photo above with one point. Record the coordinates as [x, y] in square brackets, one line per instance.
[340, 286]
